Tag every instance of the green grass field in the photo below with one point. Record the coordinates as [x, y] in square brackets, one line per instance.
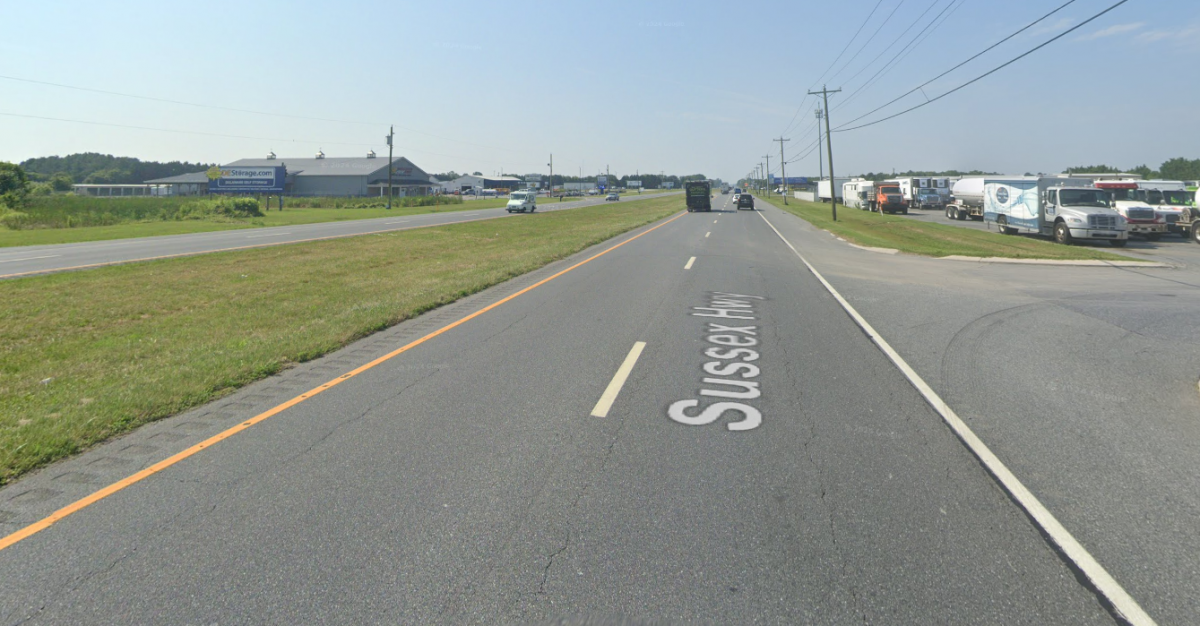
[937, 240]
[87, 355]
[290, 216]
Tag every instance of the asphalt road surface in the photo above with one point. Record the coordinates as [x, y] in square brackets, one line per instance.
[562, 457]
[27, 260]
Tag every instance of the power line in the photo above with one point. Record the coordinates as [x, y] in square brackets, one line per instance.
[894, 41]
[871, 38]
[990, 72]
[904, 52]
[976, 56]
[839, 56]
[224, 135]
[217, 107]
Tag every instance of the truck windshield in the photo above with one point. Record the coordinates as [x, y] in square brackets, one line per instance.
[1124, 194]
[1083, 197]
[889, 190]
[1178, 198]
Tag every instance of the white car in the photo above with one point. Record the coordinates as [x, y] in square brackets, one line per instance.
[523, 201]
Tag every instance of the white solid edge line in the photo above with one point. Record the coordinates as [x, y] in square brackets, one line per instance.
[689, 263]
[614, 387]
[1113, 592]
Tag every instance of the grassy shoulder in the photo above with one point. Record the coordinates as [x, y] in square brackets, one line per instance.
[937, 240]
[87, 355]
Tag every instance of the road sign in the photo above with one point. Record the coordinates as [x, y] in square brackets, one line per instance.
[249, 180]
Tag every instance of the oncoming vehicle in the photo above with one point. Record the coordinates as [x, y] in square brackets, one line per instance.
[523, 201]
[612, 197]
[698, 195]
[745, 201]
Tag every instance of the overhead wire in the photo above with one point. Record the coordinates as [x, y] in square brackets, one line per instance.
[842, 129]
[904, 52]
[839, 56]
[218, 107]
[972, 58]
[224, 135]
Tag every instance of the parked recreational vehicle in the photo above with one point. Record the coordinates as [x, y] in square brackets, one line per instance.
[1064, 208]
[858, 194]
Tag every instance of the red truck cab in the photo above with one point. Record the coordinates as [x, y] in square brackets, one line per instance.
[889, 198]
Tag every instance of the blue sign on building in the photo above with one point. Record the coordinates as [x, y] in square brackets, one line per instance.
[249, 180]
[792, 180]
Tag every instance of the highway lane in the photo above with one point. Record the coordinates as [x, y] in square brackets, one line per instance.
[27, 260]
[1084, 380]
[466, 480]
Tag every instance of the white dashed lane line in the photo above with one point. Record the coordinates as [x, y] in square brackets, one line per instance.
[689, 263]
[618, 381]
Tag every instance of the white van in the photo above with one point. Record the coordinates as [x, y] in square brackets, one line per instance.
[523, 201]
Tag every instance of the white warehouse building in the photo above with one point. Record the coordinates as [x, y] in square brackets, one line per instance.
[347, 176]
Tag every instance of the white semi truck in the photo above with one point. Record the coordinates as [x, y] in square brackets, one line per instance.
[922, 193]
[1142, 218]
[1064, 208]
[1171, 200]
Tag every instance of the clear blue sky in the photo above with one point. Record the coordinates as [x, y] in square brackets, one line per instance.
[685, 87]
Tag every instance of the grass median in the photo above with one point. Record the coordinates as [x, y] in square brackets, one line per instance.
[87, 355]
[937, 240]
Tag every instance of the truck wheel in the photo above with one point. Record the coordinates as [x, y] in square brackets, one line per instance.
[1062, 234]
[1195, 232]
[904, 210]
[950, 214]
[1118, 243]
[1002, 223]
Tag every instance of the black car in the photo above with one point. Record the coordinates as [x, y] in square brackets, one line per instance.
[745, 201]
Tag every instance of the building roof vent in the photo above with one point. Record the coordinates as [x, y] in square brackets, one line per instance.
[321, 153]
[271, 156]
[371, 154]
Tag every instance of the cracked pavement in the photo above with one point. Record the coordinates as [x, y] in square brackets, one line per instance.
[464, 481]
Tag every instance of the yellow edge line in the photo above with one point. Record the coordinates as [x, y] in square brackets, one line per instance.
[97, 496]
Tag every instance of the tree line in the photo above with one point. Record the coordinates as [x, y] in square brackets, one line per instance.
[103, 169]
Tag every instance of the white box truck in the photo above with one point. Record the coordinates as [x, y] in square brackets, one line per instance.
[825, 189]
[1064, 208]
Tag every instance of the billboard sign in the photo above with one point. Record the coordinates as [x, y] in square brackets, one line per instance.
[791, 180]
[602, 182]
[248, 180]
[668, 184]
[633, 183]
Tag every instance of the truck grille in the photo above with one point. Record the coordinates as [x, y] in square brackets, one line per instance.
[1102, 221]
[1140, 214]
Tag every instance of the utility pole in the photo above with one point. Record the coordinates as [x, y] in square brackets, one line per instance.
[768, 177]
[829, 145]
[820, 150]
[550, 185]
[391, 134]
[783, 169]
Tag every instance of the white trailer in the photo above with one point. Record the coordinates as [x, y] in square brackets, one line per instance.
[921, 193]
[826, 189]
[858, 193]
[1064, 208]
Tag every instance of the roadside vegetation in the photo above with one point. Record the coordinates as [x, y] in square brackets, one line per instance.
[88, 355]
[937, 240]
